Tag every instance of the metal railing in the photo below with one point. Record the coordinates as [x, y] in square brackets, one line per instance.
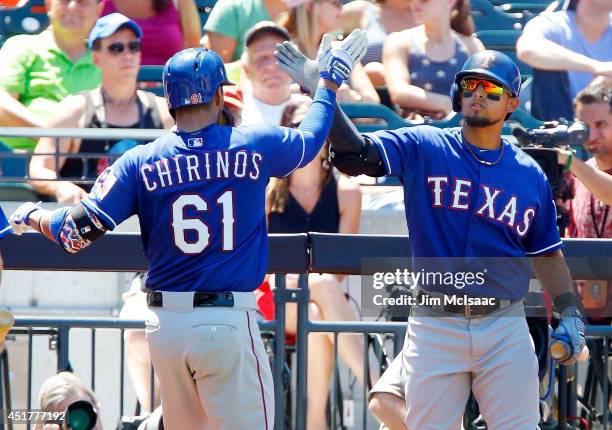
[583, 407]
[79, 133]
[303, 253]
[58, 329]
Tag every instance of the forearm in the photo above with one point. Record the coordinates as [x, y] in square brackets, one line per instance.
[362, 84]
[43, 178]
[191, 38]
[351, 152]
[14, 114]
[343, 136]
[73, 228]
[190, 24]
[553, 273]
[413, 97]
[555, 278]
[596, 181]
[317, 122]
[39, 221]
[223, 45]
[546, 55]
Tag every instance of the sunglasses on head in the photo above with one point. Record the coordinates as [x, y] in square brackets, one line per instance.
[117, 48]
[469, 85]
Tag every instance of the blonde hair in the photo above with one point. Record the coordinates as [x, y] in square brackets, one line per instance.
[277, 193]
[304, 29]
[58, 387]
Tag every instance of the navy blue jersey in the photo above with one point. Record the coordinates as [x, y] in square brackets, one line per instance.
[457, 206]
[5, 227]
[200, 198]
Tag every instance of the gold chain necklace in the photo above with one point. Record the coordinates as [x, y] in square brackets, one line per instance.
[480, 160]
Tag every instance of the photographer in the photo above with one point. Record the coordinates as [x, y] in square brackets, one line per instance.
[589, 209]
[592, 190]
[593, 105]
[60, 393]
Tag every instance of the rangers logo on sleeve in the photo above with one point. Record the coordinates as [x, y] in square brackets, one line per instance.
[104, 183]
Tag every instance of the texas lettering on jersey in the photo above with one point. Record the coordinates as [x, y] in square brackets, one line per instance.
[498, 205]
[203, 166]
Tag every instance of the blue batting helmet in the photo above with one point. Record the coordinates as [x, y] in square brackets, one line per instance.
[192, 76]
[488, 64]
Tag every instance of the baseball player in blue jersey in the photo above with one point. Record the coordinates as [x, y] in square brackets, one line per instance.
[200, 194]
[469, 195]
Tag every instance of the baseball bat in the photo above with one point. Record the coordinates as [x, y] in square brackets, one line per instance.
[560, 350]
[6, 323]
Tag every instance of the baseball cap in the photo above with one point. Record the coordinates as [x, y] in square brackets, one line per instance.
[263, 27]
[109, 24]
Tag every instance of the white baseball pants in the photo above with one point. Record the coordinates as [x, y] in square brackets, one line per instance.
[494, 356]
[211, 364]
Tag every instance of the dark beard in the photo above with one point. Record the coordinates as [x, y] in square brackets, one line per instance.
[478, 121]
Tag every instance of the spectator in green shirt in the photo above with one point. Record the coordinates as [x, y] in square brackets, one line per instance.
[231, 19]
[38, 71]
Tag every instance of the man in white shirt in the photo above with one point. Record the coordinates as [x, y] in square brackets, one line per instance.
[270, 89]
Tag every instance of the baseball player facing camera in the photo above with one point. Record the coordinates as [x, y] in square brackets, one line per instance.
[470, 195]
[199, 193]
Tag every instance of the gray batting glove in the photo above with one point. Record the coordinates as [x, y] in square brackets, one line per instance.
[302, 69]
[306, 72]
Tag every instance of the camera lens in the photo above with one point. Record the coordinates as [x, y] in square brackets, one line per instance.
[81, 415]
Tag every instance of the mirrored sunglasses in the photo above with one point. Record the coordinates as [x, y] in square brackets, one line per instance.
[470, 84]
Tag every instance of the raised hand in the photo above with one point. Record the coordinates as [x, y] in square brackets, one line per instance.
[331, 63]
[334, 65]
[302, 69]
[20, 219]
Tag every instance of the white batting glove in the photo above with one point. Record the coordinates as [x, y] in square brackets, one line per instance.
[20, 219]
[335, 64]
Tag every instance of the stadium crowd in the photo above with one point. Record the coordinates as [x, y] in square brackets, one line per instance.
[82, 72]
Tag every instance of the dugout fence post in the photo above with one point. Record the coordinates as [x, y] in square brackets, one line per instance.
[606, 390]
[302, 297]
[562, 399]
[280, 298]
[5, 388]
[63, 348]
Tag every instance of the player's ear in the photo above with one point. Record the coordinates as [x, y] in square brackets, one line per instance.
[219, 97]
[512, 104]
